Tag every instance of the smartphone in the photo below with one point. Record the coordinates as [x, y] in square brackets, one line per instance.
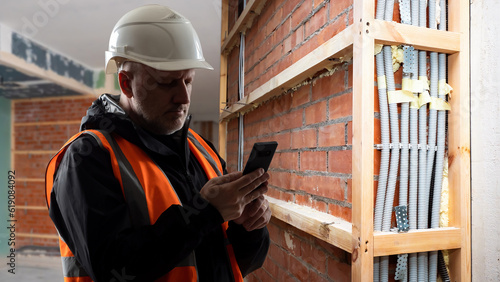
[261, 156]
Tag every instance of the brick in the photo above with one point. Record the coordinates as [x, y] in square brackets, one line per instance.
[279, 256]
[328, 85]
[349, 133]
[304, 139]
[330, 31]
[313, 160]
[338, 6]
[314, 256]
[297, 38]
[31, 165]
[315, 113]
[280, 179]
[286, 160]
[341, 212]
[315, 277]
[319, 19]
[303, 200]
[291, 243]
[331, 135]
[319, 205]
[301, 96]
[339, 271]
[299, 270]
[300, 14]
[325, 186]
[340, 106]
[340, 161]
[272, 268]
[349, 190]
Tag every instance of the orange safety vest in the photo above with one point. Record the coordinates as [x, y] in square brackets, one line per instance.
[147, 192]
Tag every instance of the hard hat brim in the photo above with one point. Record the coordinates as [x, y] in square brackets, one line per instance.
[112, 67]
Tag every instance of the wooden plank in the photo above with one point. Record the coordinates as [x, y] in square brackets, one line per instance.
[41, 236]
[35, 152]
[37, 208]
[30, 179]
[318, 224]
[362, 142]
[459, 141]
[21, 65]
[392, 33]
[252, 9]
[387, 243]
[301, 70]
[44, 123]
[223, 82]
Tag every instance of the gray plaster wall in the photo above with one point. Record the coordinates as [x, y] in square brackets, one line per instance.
[485, 139]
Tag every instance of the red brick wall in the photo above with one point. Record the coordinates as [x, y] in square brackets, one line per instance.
[41, 127]
[313, 126]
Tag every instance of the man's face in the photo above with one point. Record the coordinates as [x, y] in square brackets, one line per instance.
[161, 99]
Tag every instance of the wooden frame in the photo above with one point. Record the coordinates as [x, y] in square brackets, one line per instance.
[358, 238]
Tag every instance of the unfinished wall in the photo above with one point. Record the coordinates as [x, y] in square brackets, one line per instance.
[40, 128]
[312, 124]
[485, 136]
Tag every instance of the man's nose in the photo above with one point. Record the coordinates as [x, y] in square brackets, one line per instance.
[182, 94]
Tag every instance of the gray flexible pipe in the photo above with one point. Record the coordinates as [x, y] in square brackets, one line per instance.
[432, 130]
[423, 194]
[394, 159]
[412, 208]
[241, 94]
[441, 136]
[384, 162]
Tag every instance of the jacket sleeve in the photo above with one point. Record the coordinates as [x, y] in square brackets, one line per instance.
[250, 248]
[89, 211]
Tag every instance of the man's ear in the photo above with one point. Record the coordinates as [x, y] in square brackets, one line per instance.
[124, 79]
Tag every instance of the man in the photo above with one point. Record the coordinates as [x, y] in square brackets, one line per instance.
[138, 196]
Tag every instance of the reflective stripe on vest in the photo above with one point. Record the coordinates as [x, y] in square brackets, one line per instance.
[145, 205]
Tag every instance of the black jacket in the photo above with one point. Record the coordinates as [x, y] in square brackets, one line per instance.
[90, 213]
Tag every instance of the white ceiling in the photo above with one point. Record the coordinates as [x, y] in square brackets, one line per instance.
[81, 29]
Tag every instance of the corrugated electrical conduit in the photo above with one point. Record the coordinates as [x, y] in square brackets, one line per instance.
[384, 125]
[412, 208]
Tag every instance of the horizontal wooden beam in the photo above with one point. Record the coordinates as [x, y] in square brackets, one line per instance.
[320, 58]
[41, 236]
[392, 33]
[320, 225]
[386, 243]
[37, 208]
[252, 9]
[43, 123]
[34, 152]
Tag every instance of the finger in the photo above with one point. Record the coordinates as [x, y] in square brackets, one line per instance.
[253, 207]
[256, 193]
[261, 221]
[227, 178]
[257, 183]
[247, 179]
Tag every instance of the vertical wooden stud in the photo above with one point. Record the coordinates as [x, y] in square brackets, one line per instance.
[459, 140]
[223, 80]
[362, 141]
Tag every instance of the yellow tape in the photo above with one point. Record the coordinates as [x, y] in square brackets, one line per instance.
[423, 99]
[439, 104]
[378, 48]
[417, 86]
[414, 103]
[400, 96]
[381, 82]
[407, 84]
[444, 88]
[425, 82]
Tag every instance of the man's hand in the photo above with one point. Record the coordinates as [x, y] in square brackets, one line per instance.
[231, 193]
[256, 215]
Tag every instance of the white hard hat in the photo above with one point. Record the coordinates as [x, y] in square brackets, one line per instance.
[156, 36]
